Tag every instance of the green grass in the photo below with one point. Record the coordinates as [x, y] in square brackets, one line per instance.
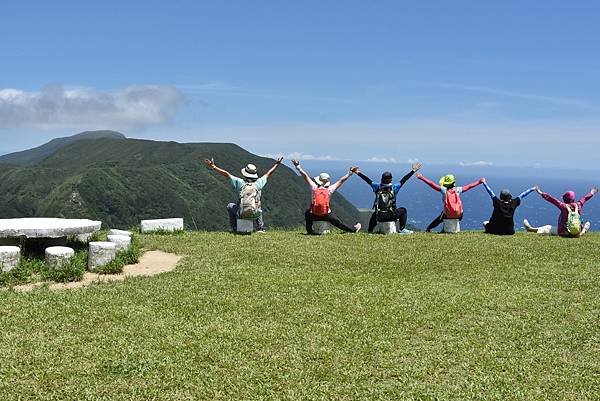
[286, 316]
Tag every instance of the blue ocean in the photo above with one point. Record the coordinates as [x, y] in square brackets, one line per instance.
[424, 204]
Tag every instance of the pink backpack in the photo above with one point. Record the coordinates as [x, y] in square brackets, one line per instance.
[453, 207]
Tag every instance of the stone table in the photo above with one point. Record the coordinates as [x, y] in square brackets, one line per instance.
[48, 231]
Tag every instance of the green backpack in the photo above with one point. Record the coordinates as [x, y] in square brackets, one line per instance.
[573, 225]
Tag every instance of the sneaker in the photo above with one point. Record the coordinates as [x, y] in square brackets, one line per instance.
[586, 227]
[528, 226]
[357, 227]
[405, 231]
[261, 231]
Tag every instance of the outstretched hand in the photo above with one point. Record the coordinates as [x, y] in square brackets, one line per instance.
[537, 189]
[210, 163]
[416, 166]
[279, 160]
[419, 175]
[295, 162]
[355, 169]
[594, 191]
[483, 180]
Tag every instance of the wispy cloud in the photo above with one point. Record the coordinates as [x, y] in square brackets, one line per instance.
[565, 101]
[480, 163]
[55, 107]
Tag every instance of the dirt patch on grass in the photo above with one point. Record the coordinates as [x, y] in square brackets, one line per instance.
[151, 263]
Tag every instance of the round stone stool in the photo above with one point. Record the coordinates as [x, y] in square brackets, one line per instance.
[9, 257]
[58, 255]
[122, 241]
[100, 254]
[120, 232]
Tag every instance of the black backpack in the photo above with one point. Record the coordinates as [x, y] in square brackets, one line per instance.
[385, 204]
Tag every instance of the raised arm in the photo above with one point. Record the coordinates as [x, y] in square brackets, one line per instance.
[488, 189]
[211, 164]
[356, 170]
[303, 173]
[341, 181]
[429, 182]
[526, 192]
[472, 185]
[586, 198]
[272, 169]
[415, 167]
[548, 197]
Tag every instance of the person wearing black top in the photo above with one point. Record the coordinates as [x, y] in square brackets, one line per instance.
[400, 214]
[502, 220]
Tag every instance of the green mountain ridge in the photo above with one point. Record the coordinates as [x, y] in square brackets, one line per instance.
[35, 155]
[122, 181]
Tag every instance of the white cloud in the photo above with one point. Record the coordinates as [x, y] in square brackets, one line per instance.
[56, 107]
[479, 163]
[300, 156]
[381, 160]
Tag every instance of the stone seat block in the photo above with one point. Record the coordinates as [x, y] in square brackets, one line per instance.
[58, 255]
[148, 226]
[244, 226]
[9, 257]
[451, 226]
[100, 254]
[120, 232]
[321, 227]
[388, 227]
[122, 241]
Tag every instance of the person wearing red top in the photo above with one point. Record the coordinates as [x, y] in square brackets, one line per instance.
[564, 206]
[446, 183]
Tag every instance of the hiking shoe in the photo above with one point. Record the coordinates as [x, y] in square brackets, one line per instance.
[357, 227]
[528, 226]
[261, 231]
[586, 227]
[405, 231]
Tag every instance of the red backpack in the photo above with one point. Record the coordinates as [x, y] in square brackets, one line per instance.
[320, 203]
[453, 207]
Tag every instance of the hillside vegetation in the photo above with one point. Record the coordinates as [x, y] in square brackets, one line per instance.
[121, 181]
[341, 317]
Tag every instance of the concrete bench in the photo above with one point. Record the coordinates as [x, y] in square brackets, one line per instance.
[10, 257]
[100, 254]
[321, 227]
[388, 227]
[148, 226]
[244, 226]
[451, 226]
[123, 242]
[57, 256]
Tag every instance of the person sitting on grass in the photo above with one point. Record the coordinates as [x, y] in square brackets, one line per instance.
[502, 220]
[386, 193]
[569, 220]
[249, 192]
[320, 210]
[453, 208]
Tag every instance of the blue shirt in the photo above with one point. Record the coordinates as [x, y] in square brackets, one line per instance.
[395, 187]
[238, 183]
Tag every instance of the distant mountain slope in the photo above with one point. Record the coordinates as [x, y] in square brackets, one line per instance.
[36, 155]
[121, 181]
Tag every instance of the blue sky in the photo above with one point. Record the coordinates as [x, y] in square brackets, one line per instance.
[471, 82]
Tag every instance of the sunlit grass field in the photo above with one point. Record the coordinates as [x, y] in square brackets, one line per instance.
[285, 316]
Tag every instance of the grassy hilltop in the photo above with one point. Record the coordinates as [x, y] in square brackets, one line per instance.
[340, 317]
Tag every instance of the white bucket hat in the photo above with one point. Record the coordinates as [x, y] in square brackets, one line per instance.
[323, 180]
[250, 171]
